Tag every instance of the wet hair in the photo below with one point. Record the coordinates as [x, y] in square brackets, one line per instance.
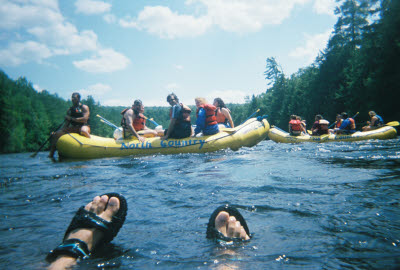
[76, 94]
[294, 117]
[137, 102]
[372, 113]
[172, 96]
[344, 115]
[221, 103]
[318, 116]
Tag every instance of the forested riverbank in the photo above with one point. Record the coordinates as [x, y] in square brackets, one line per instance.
[358, 71]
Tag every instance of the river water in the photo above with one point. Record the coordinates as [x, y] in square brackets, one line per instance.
[310, 206]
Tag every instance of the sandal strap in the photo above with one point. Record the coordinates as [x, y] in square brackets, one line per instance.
[88, 220]
[219, 237]
[73, 247]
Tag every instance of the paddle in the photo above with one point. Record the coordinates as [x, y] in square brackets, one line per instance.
[250, 116]
[393, 124]
[152, 120]
[48, 139]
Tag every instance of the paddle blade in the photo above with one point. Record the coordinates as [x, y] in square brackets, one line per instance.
[393, 124]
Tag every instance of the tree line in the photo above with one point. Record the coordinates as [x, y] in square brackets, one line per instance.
[358, 71]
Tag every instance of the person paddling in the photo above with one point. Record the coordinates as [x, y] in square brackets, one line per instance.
[348, 125]
[76, 121]
[376, 121]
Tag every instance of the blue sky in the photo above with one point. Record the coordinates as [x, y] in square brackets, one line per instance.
[121, 50]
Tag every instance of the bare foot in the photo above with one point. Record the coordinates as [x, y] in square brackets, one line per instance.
[101, 206]
[229, 226]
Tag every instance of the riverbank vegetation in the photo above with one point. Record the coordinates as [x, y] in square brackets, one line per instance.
[358, 71]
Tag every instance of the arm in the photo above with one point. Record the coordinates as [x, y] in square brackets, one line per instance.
[200, 121]
[84, 119]
[129, 121]
[373, 120]
[226, 113]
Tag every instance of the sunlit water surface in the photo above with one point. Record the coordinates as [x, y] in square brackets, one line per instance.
[310, 206]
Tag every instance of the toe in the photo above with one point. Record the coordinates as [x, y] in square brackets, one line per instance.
[112, 208]
[237, 229]
[231, 227]
[221, 222]
[102, 204]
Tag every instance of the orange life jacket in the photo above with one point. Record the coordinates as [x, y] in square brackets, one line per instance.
[138, 123]
[210, 114]
[296, 125]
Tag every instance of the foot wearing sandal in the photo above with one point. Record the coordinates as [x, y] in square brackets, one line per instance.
[228, 225]
[98, 222]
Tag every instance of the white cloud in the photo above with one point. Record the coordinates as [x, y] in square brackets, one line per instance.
[41, 31]
[106, 60]
[92, 7]
[96, 90]
[228, 96]
[313, 45]
[21, 52]
[161, 21]
[324, 7]
[248, 15]
[238, 16]
[109, 18]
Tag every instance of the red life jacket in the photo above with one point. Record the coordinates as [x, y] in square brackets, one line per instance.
[338, 123]
[210, 114]
[296, 125]
[353, 123]
[138, 123]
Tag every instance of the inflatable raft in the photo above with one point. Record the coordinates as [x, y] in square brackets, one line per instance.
[383, 133]
[248, 134]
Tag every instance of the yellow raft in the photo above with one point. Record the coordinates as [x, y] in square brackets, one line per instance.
[248, 134]
[383, 133]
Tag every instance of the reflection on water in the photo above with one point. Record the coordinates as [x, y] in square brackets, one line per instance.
[310, 206]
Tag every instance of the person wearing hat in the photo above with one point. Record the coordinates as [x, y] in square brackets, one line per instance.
[376, 121]
[134, 121]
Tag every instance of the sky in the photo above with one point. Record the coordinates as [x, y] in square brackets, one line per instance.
[121, 50]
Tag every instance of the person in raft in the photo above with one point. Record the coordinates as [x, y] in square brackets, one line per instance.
[133, 121]
[295, 126]
[303, 124]
[76, 121]
[96, 223]
[223, 114]
[338, 122]
[348, 125]
[179, 125]
[376, 121]
[206, 121]
[320, 126]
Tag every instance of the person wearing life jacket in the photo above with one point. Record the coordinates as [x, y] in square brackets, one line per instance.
[303, 124]
[376, 121]
[338, 122]
[179, 125]
[223, 114]
[348, 125]
[133, 121]
[320, 126]
[295, 127]
[206, 121]
[76, 121]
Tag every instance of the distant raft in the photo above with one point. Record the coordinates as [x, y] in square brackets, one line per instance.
[383, 133]
[248, 134]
